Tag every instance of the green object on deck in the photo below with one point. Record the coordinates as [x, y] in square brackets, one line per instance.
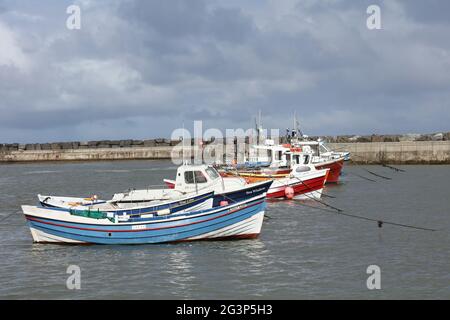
[89, 214]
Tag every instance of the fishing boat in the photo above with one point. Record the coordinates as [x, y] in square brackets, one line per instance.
[196, 187]
[334, 165]
[156, 202]
[298, 149]
[310, 150]
[326, 151]
[58, 225]
[283, 157]
[195, 178]
[303, 182]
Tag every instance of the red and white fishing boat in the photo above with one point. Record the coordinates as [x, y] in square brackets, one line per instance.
[331, 161]
[268, 158]
[305, 182]
[283, 157]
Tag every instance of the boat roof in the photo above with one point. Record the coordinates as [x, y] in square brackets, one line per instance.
[278, 147]
[194, 166]
[307, 143]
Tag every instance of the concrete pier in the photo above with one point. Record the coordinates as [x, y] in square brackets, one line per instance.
[87, 154]
[405, 152]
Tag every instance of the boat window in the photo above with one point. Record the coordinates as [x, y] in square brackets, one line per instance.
[278, 155]
[199, 177]
[212, 173]
[323, 149]
[306, 161]
[189, 177]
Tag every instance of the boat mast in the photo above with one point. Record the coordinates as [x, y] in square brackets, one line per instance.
[294, 127]
[298, 131]
[258, 124]
[183, 145]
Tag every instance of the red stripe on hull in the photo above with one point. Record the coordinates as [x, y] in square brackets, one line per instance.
[335, 170]
[299, 187]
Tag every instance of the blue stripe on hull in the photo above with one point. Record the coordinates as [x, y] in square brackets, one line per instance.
[241, 195]
[190, 227]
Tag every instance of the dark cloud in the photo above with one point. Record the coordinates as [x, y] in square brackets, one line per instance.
[140, 68]
[428, 12]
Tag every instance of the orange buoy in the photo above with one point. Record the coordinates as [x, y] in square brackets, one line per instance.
[223, 203]
[289, 192]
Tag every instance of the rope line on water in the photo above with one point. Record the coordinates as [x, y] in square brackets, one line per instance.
[321, 202]
[362, 177]
[313, 207]
[378, 175]
[382, 164]
[393, 168]
[310, 188]
[7, 216]
[378, 221]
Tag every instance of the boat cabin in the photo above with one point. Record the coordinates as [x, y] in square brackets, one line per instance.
[281, 155]
[196, 177]
[321, 151]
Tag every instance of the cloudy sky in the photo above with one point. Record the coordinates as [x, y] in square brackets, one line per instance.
[139, 68]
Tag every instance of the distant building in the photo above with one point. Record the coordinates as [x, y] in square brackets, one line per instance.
[354, 138]
[410, 137]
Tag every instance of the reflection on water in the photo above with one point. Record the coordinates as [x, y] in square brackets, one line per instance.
[302, 252]
[42, 172]
[179, 270]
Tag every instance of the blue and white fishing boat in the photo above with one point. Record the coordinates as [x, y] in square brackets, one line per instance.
[200, 178]
[157, 201]
[58, 225]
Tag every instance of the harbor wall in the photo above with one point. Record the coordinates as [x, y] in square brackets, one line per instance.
[404, 152]
[89, 150]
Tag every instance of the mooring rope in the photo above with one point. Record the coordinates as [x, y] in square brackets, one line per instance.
[7, 216]
[393, 168]
[310, 188]
[378, 221]
[319, 201]
[377, 175]
[362, 177]
[382, 164]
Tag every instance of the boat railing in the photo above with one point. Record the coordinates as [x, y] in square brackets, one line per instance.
[150, 187]
[157, 186]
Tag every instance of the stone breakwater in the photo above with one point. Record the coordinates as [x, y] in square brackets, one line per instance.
[406, 152]
[90, 150]
[57, 146]
[403, 152]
